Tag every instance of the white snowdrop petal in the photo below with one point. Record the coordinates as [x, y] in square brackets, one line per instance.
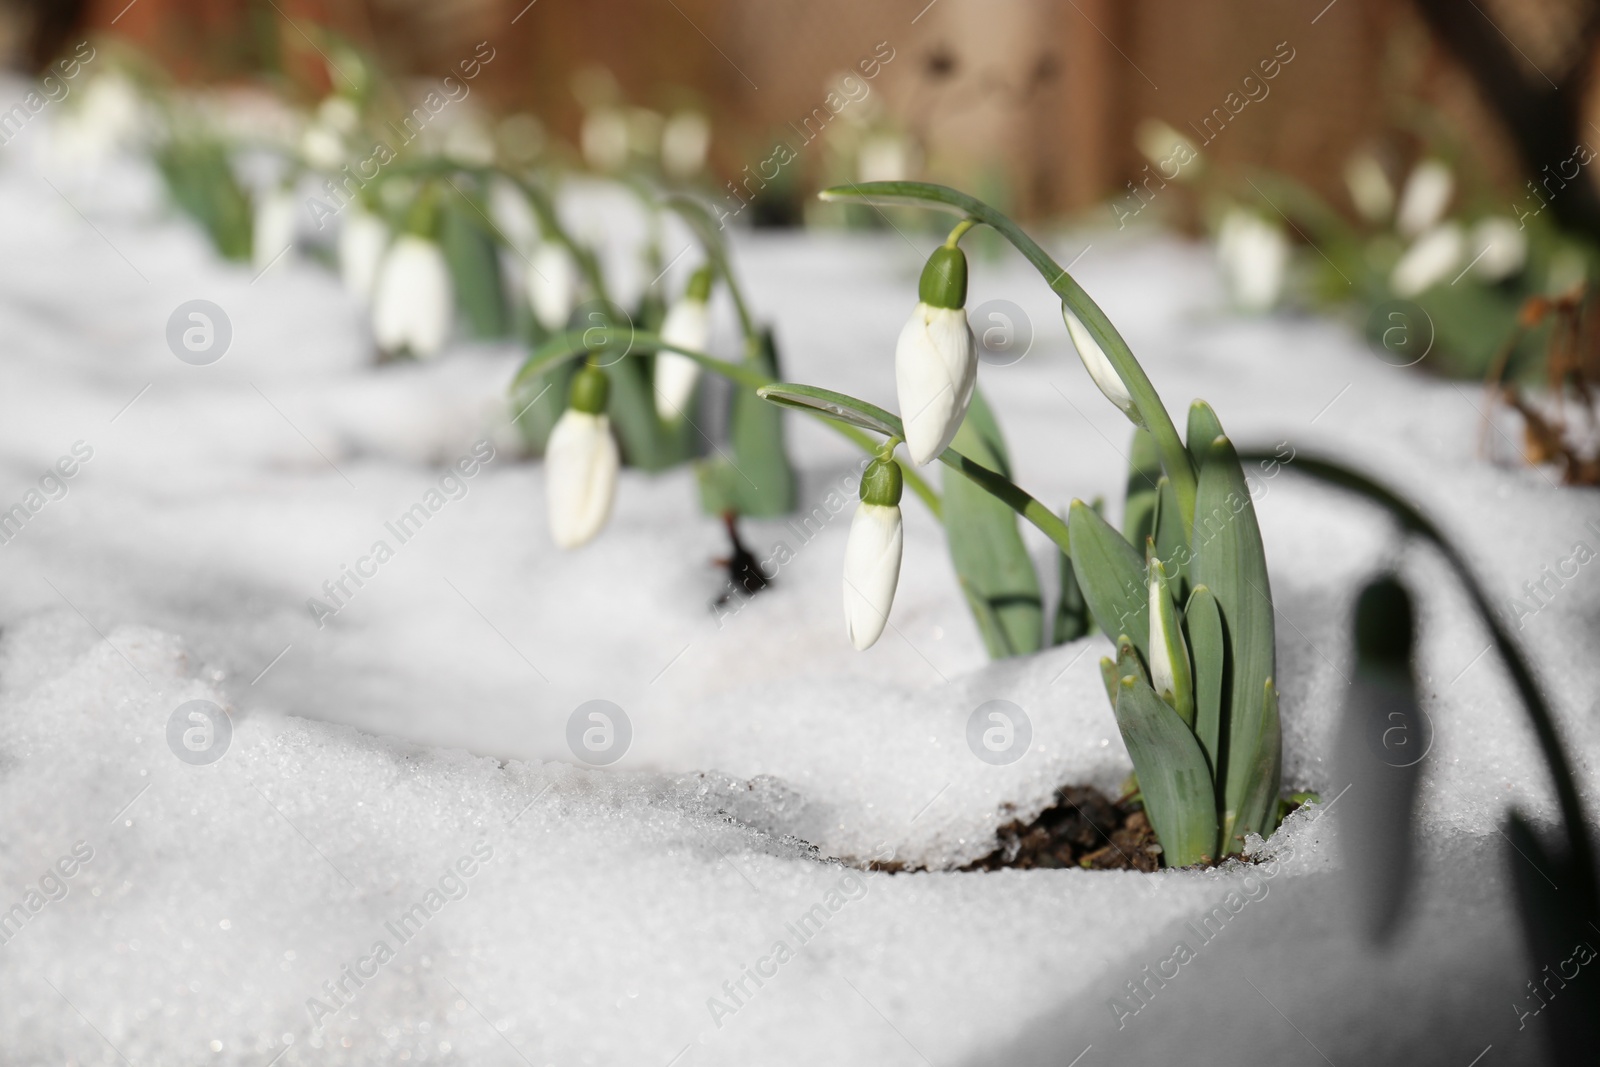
[363, 237]
[581, 463]
[1161, 672]
[273, 229]
[688, 324]
[1253, 254]
[935, 369]
[1423, 201]
[871, 571]
[413, 301]
[1432, 258]
[552, 284]
[1099, 367]
[1499, 248]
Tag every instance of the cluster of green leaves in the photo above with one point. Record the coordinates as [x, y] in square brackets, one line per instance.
[1193, 683]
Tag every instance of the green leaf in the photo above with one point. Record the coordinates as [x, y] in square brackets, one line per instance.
[1204, 428]
[1171, 539]
[1111, 575]
[1208, 651]
[986, 546]
[474, 259]
[202, 185]
[834, 406]
[1072, 618]
[765, 482]
[1174, 778]
[1229, 559]
[1144, 474]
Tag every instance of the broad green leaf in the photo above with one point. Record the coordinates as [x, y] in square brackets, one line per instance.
[1203, 429]
[986, 546]
[1172, 540]
[1228, 558]
[1174, 778]
[834, 405]
[1109, 675]
[1129, 665]
[765, 482]
[1256, 810]
[1209, 653]
[1111, 575]
[1144, 475]
[474, 259]
[1072, 618]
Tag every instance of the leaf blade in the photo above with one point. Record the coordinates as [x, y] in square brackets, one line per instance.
[986, 545]
[1174, 776]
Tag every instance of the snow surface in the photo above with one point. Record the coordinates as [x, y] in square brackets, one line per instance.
[429, 716]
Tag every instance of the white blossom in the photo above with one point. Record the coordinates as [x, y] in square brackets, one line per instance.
[935, 369]
[581, 462]
[871, 571]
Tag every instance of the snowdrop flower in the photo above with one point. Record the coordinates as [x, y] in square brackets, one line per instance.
[512, 215]
[1165, 147]
[935, 364]
[603, 137]
[1429, 260]
[273, 229]
[1499, 248]
[412, 300]
[581, 462]
[884, 158]
[362, 240]
[1253, 254]
[322, 147]
[1425, 197]
[872, 554]
[687, 325]
[552, 284]
[109, 116]
[685, 139]
[1098, 366]
[339, 113]
[1369, 187]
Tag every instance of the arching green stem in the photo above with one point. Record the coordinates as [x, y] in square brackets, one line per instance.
[858, 413]
[1175, 459]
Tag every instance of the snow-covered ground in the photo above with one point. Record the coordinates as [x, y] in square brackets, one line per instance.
[417, 743]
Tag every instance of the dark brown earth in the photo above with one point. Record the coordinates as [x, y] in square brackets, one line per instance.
[1084, 828]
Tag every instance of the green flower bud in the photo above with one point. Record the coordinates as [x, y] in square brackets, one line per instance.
[944, 279]
[590, 391]
[881, 483]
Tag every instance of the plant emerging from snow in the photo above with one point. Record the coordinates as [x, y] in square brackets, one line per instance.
[1182, 590]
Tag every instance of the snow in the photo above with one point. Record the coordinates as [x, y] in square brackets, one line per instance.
[429, 717]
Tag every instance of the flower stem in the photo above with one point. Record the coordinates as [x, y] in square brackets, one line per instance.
[1175, 459]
